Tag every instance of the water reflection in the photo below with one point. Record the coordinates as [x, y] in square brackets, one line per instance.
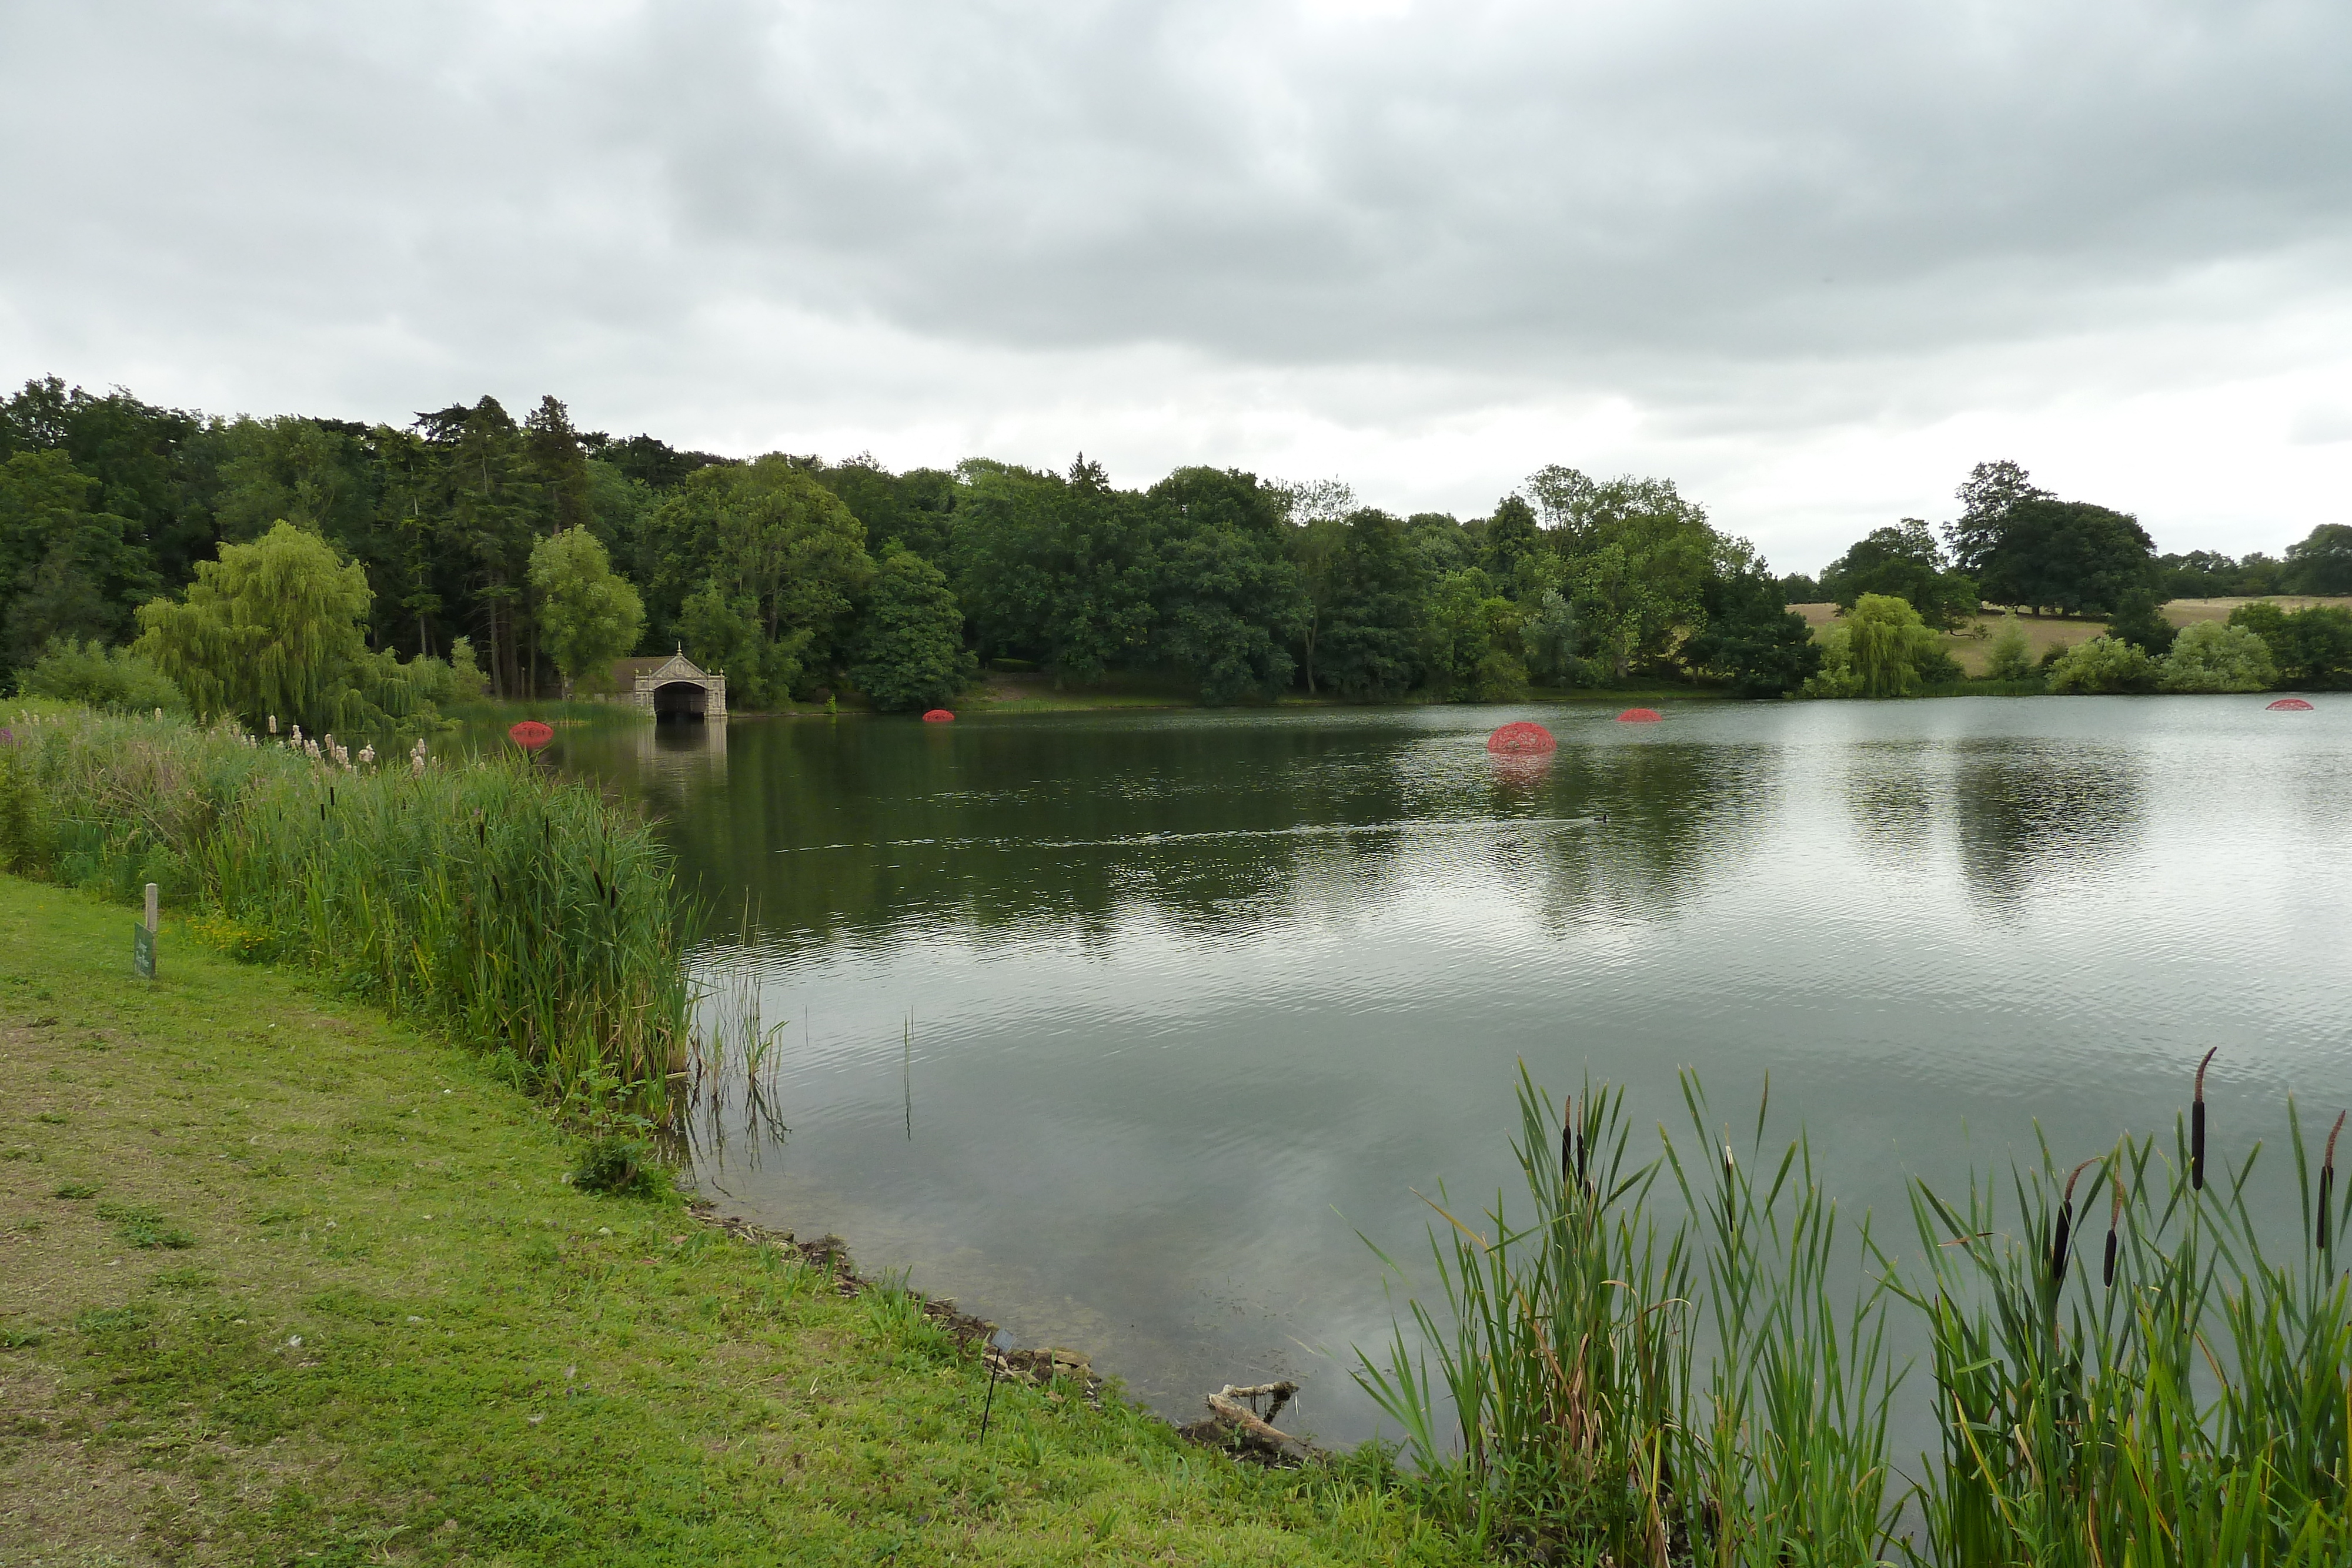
[2028, 810]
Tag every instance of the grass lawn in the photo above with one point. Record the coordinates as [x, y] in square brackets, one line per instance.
[281, 1282]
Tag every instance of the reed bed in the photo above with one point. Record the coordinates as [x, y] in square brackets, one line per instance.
[2124, 1364]
[526, 916]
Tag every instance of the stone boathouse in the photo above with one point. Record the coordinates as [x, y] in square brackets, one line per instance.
[670, 686]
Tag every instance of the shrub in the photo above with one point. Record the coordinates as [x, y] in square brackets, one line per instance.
[445, 683]
[2103, 664]
[2213, 657]
[623, 1167]
[2009, 657]
[116, 679]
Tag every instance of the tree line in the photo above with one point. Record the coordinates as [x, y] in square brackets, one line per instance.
[2018, 545]
[466, 548]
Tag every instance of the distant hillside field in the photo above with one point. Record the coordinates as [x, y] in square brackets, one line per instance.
[2044, 632]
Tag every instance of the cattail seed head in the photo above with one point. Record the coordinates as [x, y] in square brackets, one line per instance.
[2065, 1225]
[2196, 1127]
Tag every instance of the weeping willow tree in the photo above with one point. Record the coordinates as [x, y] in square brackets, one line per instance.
[273, 629]
[1893, 649]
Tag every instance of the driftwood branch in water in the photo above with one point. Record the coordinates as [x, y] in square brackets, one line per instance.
[1279, 1393]
[1253, 1430]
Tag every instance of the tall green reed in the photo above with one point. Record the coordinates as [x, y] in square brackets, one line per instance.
[519, 913]
[2184, 1400]
[2172, 1387]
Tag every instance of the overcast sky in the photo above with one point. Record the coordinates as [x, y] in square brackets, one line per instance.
[1811, 260]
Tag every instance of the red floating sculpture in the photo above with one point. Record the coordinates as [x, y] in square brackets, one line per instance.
[1522, 739]
[2290, 704]
[1639, 716]
[938, 715]
[530, 735]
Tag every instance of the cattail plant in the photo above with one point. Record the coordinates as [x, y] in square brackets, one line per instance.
[518, 913]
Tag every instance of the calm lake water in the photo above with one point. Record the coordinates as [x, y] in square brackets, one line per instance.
[1118, 1027]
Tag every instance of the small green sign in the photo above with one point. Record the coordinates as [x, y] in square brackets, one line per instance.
[143, 952]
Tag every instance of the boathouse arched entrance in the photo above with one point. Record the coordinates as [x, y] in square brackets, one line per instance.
[671, 688]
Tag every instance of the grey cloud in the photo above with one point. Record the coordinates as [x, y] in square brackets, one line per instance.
[1751, 222]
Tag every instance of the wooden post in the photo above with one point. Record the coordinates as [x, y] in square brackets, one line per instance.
[142, 941]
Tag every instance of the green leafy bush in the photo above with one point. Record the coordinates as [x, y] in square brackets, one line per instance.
[2009, 657]
[2213, 657]
[618, 1167]
[2103, 664]
[116, 679]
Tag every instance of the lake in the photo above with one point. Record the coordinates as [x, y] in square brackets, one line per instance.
[1118, 1027]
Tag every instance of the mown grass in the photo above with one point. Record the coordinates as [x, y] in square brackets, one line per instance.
[1700, 1373]
[525, 916]
[398, 1335]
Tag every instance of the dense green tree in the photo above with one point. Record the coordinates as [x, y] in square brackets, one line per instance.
[551, 451]
[290, 468]
[2312, 647]
[1439, 544]
[918, 507]
[489, 509]
[2209, 656]
[654, 463]
[277, 628]
[1511, 536]
[66, 570]
[1231, 599]
[2138, 621]
[1796, 588]
[1474, 649]
[1903, 560]
[1987, 496]
[588, 615]
[910, 651]
[1315, 522]
[1751, 639]
[1371, 641]
[2068, 556]
[1635, 558]
[2321, 563]
[1064, 569]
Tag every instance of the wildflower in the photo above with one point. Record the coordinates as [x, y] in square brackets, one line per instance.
[273, 724]
[367, 755]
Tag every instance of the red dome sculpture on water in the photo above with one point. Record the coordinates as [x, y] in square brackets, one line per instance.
[530, 735]
[2290, 704]
[1522, 739]
[938, 715]
[1639, 716]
